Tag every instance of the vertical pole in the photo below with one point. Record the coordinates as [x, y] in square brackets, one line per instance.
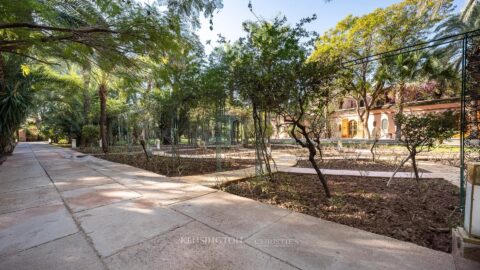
[218, 135]
[463, 124]
[119, 136]
[173, 135]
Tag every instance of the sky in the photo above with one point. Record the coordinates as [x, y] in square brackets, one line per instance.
[228, 20]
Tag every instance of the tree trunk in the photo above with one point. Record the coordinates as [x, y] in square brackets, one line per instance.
[109, 131]
[102, 92]
[312, 152]
[415, 168]
[260, 145]
[399, 100]
[318, 142]
[7, 145]
[86, 95]
[311, 158]
[366, 130]
[372, 149]
[363, 117]
[397, 169]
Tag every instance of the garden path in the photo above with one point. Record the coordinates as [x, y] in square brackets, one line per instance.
[449, 173]
[60, 209]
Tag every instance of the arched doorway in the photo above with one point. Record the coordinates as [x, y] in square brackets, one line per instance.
[352, 128]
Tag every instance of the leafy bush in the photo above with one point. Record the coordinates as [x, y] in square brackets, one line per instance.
[423, 133]
[63, 141]
[90, 134]
[32, 133]
[15, 100]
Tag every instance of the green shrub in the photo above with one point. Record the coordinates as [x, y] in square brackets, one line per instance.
[63, 141]
[90, 134]
[32, 132]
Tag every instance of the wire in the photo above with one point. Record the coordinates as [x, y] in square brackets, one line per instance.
[413, 48]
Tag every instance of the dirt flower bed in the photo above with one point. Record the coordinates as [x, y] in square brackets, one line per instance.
[419, 213]
[177, 166]
[95, 150]
[364, 165]
[207, 151]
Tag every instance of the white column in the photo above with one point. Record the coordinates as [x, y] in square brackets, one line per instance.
[472, 200]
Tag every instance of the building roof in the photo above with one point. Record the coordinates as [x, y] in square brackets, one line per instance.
[412, 104]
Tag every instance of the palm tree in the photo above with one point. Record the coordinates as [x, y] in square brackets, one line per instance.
[468, 9]
[15, 100]
[454, 25]
[83, 31]
[401, 70]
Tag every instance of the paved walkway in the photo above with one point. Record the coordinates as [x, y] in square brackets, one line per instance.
[61, 211]
[212, 179]
[448, 173]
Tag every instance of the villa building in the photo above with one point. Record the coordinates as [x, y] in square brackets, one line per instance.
[347, 125]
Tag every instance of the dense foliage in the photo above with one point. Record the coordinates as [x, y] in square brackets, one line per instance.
[136, 71]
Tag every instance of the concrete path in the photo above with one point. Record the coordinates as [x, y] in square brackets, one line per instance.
[448, 173]
[59, 210]
[212, 179]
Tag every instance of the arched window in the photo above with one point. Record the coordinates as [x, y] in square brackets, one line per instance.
[384, 124]
[352, 128]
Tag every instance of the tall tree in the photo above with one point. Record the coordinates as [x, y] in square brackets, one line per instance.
[96, 32]
[258, 63]
[355, 40]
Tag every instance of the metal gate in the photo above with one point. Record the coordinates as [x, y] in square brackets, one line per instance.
[470, 92]
[470, 98]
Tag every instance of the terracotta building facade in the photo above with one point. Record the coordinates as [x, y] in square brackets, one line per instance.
[346, 123]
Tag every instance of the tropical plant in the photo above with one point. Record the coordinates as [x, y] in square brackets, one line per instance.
[15, 99]
[454, 25]
[90, 133]
[108, 34]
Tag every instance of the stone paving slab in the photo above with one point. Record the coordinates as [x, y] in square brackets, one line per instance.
[80, 180]
[175, 225]
[124, 224]
[27, 183]
[194, 246]
[24, 162]
[311, 243]
[218, 178]
[237, 216]
[28, 228]
[91, 197]
[116, 170]
[166, 193]
[68, 253]
[28, 198]
[17, 173]
[78, 170]
[213, 179]
[57, 167]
